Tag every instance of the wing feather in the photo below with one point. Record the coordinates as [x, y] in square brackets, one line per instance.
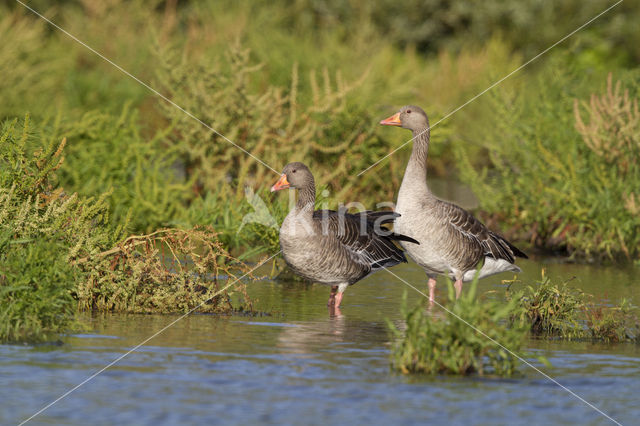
[357, 234]
[478, 235]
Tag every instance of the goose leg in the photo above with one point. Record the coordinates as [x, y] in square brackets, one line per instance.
[336, 294]
[432, 289]
[458, 286]
[332, 296]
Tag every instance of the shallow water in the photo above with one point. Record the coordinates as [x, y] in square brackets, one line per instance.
[302, 366]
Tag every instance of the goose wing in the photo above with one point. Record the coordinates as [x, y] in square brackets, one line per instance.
[357, 234]
[467, 226]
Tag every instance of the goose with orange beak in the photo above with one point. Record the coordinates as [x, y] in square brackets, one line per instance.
[334, 247]
[452, 241]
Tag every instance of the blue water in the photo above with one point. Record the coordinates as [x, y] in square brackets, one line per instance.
[303, 366]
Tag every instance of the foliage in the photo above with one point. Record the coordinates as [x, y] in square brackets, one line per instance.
[550, 309]
[27, 65]
[265, 122]
[432, 345]
[559, 311]
[108, 153]
[60, 250]
[36, 284]
[41, 229]
[431, 25]
[563, 181]
[313, 89]
[169, 270]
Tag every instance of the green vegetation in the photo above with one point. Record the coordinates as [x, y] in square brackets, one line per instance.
[436, 341]
[36, 289]
[431, 344]
[542, 155]
[551, 153]
[563, 170]
[60, 252]
[432, 25]
[556, 310]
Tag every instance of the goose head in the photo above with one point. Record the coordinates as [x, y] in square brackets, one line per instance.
[409, 117]
[294, 175]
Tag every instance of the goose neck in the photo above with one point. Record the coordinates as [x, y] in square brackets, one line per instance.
[415, 176]
[306, 198]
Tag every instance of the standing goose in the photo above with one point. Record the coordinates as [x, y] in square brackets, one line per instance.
[452, 241]
[335, 248]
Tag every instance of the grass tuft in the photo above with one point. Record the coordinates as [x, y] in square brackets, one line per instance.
[433, 344]
[556, 310]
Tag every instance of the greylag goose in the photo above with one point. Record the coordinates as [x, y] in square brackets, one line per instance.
[452, 241]
[333, 247]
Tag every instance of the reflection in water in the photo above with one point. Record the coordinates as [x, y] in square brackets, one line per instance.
[334, 331]
[305, 364]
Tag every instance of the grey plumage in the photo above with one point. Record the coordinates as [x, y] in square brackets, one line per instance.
[334, 247]
[452, 241]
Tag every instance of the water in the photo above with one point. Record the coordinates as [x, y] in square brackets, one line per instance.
[302, 366]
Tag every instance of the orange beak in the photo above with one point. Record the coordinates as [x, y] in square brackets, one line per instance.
[394, 120]
[282, 183]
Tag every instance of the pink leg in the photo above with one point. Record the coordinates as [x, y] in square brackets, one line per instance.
[458, 287]
[332, 296]
[432, 289]
[338, 299]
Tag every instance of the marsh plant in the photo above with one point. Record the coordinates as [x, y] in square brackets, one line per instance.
[558, 310]
[549, 308]
[436, 341]
[311, 86]
[430, 343]
[168, 270]
[563, 169]
[60, 252]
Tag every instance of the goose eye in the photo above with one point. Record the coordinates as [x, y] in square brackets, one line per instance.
[293, 171]
[408, 111]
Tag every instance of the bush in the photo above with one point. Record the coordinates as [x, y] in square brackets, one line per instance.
[555, 310]
[110, 153]
[36, 286]
[41, 231]
[563, 175]
[59, 251]
[433, 345]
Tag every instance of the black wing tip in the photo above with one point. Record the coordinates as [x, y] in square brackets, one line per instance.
[521, 254]
[388, 263]
[400, 237]
[516, 251]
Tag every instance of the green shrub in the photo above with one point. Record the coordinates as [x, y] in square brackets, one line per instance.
[562, 175]
[61, 251]
[551, 309]
[111, 153]
[554, 310]
[36, 286]
[430, 344]
[41, 231]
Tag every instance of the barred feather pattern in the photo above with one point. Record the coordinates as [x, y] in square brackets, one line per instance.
[452, 241]
[334, 247]
[471, 241]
